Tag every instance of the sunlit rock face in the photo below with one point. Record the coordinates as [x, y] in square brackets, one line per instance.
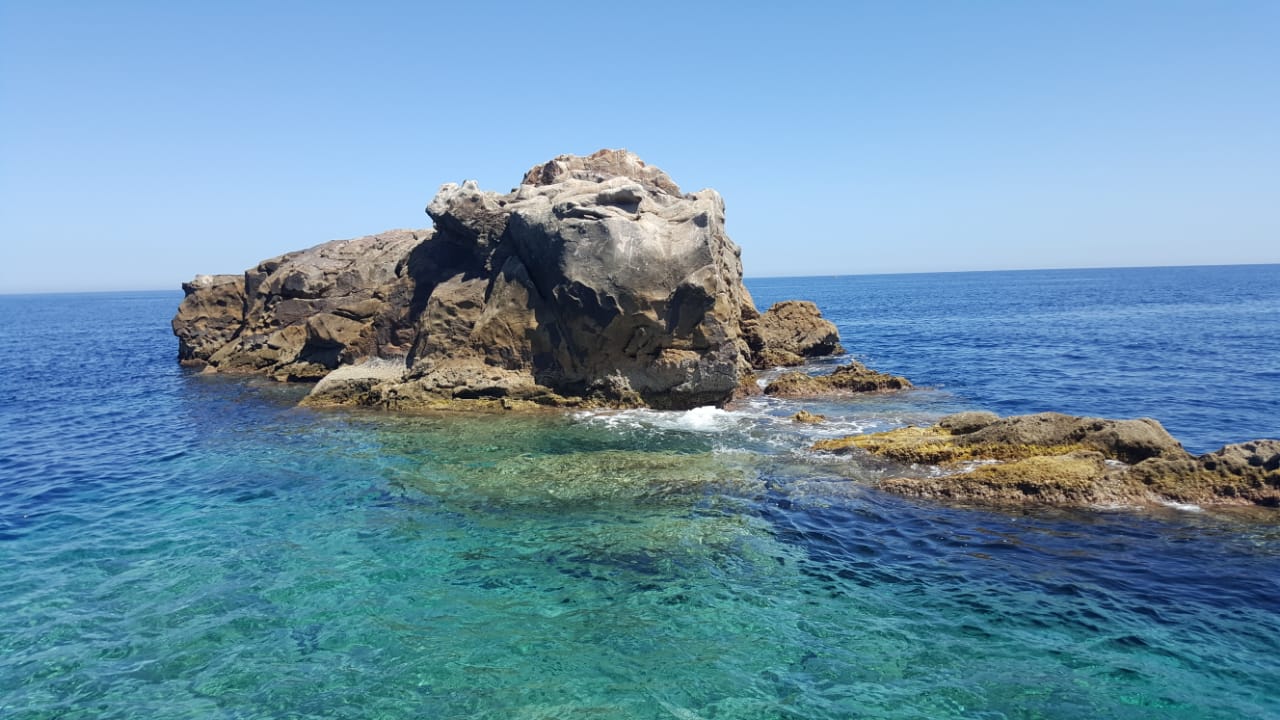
[298, 316]
[596, 281]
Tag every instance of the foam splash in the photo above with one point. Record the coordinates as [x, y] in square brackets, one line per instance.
[707, 419]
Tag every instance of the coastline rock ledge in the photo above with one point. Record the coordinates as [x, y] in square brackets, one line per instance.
[597, 282]
[1064, 460]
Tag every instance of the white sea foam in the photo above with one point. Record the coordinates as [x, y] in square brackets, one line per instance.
[706, 419]
[970, 465]
[841, 427]
[1184, 507]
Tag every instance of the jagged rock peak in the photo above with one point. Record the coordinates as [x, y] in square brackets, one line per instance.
[600, 166]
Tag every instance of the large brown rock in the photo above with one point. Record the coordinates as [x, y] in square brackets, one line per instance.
[597, 281]
[853, 377]
[792, 332]
[210, 315]
[305, 313]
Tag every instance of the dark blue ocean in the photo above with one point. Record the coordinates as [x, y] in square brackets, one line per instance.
[177, 545]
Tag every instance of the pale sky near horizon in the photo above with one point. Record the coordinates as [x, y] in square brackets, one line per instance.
[143, 143]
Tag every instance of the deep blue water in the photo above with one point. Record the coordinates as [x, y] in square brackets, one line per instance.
[184, 546]
[1197, 348]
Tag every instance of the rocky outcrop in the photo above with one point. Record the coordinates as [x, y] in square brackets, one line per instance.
[298, 316]
[597, 281]
[1050, 458]
[1242, 473]
[1074, 479]
[853, 377]
[792, 332]
[209, 317]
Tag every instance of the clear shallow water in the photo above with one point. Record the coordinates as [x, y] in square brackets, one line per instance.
[176, 545]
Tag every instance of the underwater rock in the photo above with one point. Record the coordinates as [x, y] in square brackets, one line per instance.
[597, 282]
[595, 478]
[1050, 458]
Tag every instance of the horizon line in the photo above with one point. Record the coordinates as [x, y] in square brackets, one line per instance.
[1018, 269]
[178, 287]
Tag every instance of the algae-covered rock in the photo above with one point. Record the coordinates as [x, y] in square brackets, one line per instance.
[853, 377]
[1070, 479]
[967, 422]
[1057, 459]
[1245, 473]
[1129, 441]
[806, 417]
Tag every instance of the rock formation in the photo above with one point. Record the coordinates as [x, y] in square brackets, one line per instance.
[853, 377]
[793, 331]
[297, 316]
[597, 281]
[1050, 458]
[210, 317]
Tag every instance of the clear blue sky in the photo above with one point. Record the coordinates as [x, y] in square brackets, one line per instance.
[142, 143]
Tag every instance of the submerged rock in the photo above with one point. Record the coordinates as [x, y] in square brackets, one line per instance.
[604, 477]
[596, 282]
[1050, 458]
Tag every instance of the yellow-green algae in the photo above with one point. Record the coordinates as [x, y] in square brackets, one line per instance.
[1076, 478]
[1190, 481]
[937, 446]
[1070, 474]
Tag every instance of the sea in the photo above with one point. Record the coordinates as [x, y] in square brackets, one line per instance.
[181, 545]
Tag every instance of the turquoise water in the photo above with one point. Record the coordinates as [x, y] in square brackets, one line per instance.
[185, 546]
